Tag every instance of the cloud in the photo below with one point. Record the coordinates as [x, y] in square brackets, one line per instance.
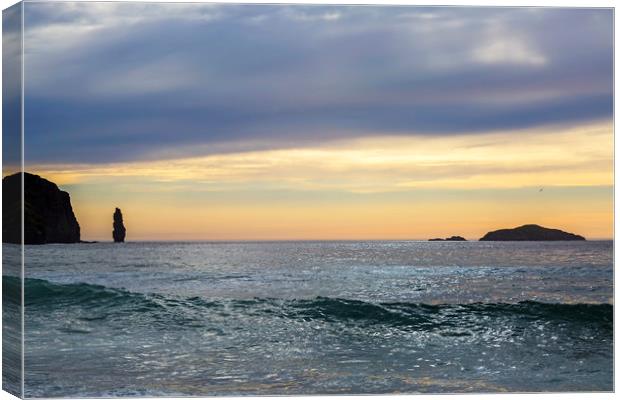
[508, 50]
[11, 89]
[111, 82]
[581, 156]
[305, 16]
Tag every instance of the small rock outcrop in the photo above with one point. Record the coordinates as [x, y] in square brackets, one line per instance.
[48, 215]
[530, 233]
[449, 239]
[456, 239]
[119, 228]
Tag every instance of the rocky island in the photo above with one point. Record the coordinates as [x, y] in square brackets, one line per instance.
[48, 215]
[530, 232]
[449, 239]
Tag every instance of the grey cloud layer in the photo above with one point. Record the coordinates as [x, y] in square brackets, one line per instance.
[118, 81]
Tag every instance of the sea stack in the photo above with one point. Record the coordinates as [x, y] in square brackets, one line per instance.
[119, 228]
[48, 215]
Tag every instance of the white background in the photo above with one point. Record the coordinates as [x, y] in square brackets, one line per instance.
[564, 3]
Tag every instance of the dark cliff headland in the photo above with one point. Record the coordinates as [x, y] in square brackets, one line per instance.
[48, 215]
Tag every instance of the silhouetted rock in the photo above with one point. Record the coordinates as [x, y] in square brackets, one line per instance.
[450, 239]
[530, 232]
[119, 229]
[48, 216]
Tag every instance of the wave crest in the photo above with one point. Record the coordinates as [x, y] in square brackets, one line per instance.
[42, 294]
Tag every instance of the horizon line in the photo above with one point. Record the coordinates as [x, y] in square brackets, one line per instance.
[317, 240]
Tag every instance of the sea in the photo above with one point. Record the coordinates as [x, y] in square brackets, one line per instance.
[313, 317]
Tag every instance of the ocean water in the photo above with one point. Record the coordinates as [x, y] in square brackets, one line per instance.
[149, 319]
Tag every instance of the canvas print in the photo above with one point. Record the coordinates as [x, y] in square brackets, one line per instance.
[206, 199]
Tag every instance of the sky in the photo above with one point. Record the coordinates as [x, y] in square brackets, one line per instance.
[269, 122]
